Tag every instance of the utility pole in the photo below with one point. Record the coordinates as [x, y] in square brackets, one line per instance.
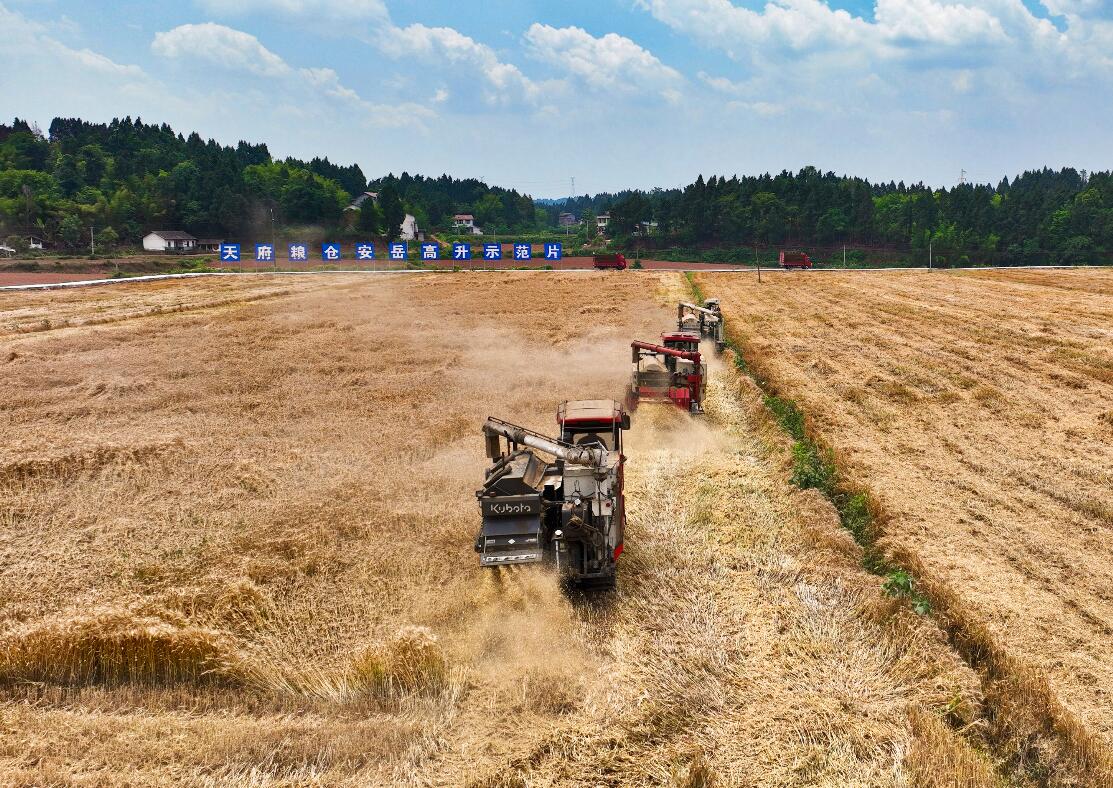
[572, 200]
[92, 245]
[844, 255]
[757, 260]
[274, 246]
[28, 197]
[929, 255]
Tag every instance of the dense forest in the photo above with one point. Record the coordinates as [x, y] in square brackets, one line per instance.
[126, 178]
[1041, 216]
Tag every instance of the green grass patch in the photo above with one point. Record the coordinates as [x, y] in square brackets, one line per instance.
[814, 467]
[900, 583]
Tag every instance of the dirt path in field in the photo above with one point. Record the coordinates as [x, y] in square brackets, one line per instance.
[978, 407]
[99, 272]
[273, 480]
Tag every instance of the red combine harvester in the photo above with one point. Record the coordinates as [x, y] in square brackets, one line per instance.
[795, 260]
[567, 511]
[670, 372]
[616, 261]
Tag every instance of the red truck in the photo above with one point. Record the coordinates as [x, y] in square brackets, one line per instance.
[795, 260]
[614, 260]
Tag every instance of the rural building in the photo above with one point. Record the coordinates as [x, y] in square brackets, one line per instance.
[7, 251]
[566, 220]
[358, 202]
[465, 223]
[602, 220]
[209, 244]
[35, 242]
[169, 241]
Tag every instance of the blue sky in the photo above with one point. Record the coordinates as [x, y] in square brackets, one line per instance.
[617, 93]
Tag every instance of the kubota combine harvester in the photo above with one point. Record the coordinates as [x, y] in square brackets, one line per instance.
[707, 320]
[570, 512]
[672, 371]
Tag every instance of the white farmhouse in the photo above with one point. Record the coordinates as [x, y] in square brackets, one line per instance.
[465, 223]
[169, 241]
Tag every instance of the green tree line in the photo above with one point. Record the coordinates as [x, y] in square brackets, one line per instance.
[1058, 215]
[126, 178]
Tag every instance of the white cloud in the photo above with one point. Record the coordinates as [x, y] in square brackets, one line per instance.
[611, 63]
[726, 86]
[444, 45]
[31, 49]
[470, 63]
[23, 36]
[917, 54]
[795, 24]
[333, 10]
[236, 50]
[223, 46]
[941, 23]
[1079, 8]
[901, 29]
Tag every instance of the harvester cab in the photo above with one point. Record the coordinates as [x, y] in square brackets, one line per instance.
[670, 372]
[568, 512]
[706, 320]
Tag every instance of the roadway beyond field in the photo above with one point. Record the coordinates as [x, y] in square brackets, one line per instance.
[15, 273]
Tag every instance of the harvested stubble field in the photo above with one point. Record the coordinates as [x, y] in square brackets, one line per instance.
[977, 408]
[236, 520]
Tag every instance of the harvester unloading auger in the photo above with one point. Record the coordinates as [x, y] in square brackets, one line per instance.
[706, 319]
[672, 371]
[569, 513]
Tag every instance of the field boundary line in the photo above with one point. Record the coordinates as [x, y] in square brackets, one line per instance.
[731, 270]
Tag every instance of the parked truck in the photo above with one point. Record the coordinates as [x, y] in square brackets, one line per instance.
[795, 260]
[614, 260]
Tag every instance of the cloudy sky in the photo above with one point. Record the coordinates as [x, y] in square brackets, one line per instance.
[617, 93]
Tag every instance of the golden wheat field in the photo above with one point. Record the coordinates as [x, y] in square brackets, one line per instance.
[978, 408]
[236, 524]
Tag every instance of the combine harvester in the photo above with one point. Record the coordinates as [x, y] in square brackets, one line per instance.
[672, 371]
[706, 320]
[569, 513]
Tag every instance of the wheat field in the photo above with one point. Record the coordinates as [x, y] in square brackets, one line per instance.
[236, 524]
[978, 408]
